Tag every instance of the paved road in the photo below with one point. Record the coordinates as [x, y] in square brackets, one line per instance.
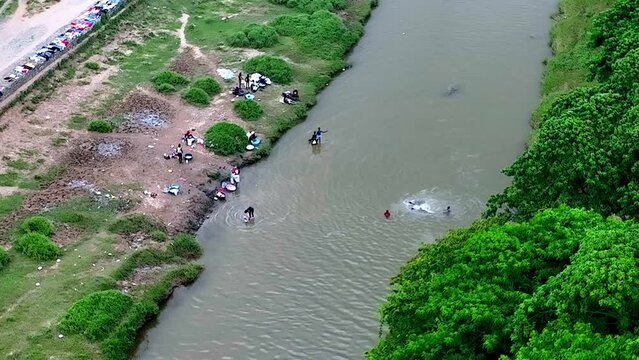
[20, 35]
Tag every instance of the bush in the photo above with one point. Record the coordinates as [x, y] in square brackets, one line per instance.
[101, 126]
[208, 84]
[4, 258]
[120, 344]
[92, 65]
[185, 246]
[158, 235]
[37, 224]
[225, 138]
[169, 77]
[254, 36]
[37, 247]
[275, 68]
[311, 6]
[248, 109]
[196, 96]
[96, 315]
[322, 34]
[165, 88]
[133, 223]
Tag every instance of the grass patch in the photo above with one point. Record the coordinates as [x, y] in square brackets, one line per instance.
[92, 65]
[96, 315]
[10, 203]
[100, 126]
[9, 179]
[77, 122]
[19, 165]
[158, 235]
[36, 224]
[133, 223]
[83, 213]
[185, 246]
[37, 247]
[248, 110]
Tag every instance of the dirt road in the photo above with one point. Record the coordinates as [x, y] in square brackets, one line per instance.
[20, 34]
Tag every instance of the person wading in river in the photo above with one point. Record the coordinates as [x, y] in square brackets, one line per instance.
[318, 135]
[250, 212]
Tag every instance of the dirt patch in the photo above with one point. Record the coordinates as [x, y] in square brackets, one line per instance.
[186, 63]
[65, 235]
[93, 152]
[143, 112]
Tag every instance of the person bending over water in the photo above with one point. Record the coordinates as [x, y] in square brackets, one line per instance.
[447, 211]
[250, 212]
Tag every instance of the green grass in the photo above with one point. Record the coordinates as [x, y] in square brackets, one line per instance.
[568, 68]
[78, 122]
[10, 203]
[9, 179]
[19, 165]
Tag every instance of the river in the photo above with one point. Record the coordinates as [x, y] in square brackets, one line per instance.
[306, 280]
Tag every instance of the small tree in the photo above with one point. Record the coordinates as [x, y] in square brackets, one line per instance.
[275, 68]
[208, 84]
[196, 96]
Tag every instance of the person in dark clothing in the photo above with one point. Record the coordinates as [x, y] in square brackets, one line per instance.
[247, 81]
[250, 212]
[447, 211]
[313, 138]
[295, 95]
[239, 80]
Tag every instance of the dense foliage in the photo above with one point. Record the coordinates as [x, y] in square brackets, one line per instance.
[196, 96]
[4, 258]
[587, 151]
[96, 314]
[38, 224]
[208, 84]
[275, 68]
[311, 6]
[101, 126]
[225, 138]
[185, 246]
[248, 109]
[165, 88]
[254, 36]
[505, 289]
[169, 77]
[322, 34]
[37, 246]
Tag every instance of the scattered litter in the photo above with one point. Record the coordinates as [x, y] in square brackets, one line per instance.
[60, 336]
[37, 284]
[57, 260]
[39, 268]
[110, 148]
[171, 189]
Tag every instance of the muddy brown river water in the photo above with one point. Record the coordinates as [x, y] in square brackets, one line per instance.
[306, 280]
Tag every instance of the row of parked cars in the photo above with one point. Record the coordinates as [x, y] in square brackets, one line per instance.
[79, 27]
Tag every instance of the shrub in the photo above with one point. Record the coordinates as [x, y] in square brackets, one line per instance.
[275, 68]
[225, 138]
[37, 224]
[4, 258]
[254, 36]
[96, 314]
[133, 223]
[158, 235]
[169, 77]
[185, 246]
[101, 126]
[248, 109]
[92, 65]
[196, 96]
[322, 34]
[165, 88]
[208, 84]
[37, 247]
[311, 6]
[120, 344]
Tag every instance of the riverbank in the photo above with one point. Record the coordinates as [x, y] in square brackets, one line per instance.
[98, 190]
[505, 286]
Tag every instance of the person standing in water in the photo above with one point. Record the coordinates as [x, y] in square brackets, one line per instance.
[250, 212]
[447, 211]
[387, 214]
[318, 135]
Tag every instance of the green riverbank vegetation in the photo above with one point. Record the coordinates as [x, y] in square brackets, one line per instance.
[550, 271]
[83, 272]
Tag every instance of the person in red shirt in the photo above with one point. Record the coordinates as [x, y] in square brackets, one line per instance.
[387, 214]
